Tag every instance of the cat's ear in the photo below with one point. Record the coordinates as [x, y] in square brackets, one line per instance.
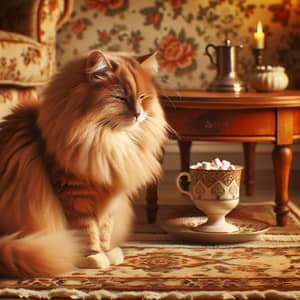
[97, 64]
[149, 63]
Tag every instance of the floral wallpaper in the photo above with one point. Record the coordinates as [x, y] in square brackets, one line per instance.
[180, 30]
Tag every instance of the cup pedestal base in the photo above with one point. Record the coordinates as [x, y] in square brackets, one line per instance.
[216, 212]
[217, 225]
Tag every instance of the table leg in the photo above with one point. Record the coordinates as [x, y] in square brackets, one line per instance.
[152, 197]
[282, 160]
[185, 157]
[249, 159]
[151, 203]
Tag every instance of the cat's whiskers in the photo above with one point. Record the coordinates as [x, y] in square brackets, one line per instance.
[161, 126]
[155, 122]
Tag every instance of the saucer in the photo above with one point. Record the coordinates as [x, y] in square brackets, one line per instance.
[185, 228]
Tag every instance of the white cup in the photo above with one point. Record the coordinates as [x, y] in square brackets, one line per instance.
[215, 193]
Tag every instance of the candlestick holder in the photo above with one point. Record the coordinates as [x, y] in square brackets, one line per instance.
[259, 56]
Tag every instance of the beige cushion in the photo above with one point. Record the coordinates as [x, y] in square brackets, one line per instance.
[23, 61]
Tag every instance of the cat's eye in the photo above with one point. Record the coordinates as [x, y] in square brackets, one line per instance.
[99, 75]
[121, 98]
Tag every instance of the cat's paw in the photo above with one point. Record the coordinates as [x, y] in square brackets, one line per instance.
[115, 256]
[95, 261]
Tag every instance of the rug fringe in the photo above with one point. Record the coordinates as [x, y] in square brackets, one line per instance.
[280, 238]
[148, 295]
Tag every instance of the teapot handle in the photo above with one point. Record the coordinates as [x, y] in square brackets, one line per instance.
[209, 54]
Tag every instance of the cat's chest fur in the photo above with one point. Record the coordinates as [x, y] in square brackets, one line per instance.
[78, 197]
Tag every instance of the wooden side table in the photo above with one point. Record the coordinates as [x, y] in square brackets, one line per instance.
[247, 117]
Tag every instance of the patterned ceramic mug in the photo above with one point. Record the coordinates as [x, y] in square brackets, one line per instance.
[214, 192]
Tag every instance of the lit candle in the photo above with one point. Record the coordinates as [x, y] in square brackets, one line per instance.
[259, 37]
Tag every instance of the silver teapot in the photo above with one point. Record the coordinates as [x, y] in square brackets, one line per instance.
[227, 78]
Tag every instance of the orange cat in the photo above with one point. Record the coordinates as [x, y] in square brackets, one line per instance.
[70, 164]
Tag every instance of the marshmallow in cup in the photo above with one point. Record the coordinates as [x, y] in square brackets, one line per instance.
[215, 164]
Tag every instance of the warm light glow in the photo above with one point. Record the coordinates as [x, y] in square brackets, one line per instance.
[259, 37]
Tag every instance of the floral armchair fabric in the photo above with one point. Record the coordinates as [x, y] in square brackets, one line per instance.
[27, 47]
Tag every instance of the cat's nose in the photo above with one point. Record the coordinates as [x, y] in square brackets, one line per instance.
[137, 114]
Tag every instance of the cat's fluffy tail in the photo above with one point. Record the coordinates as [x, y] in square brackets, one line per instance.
[38, 255]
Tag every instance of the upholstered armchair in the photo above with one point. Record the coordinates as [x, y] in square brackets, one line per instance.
[27, 47]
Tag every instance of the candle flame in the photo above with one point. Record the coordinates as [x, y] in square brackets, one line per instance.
[259, 27]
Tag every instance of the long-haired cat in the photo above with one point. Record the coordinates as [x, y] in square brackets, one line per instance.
[71, 163]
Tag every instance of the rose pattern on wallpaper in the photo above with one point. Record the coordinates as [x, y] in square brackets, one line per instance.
[177, 53]
[108, 7]
[179, 30]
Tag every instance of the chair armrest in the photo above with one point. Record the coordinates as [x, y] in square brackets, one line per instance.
[38, 19]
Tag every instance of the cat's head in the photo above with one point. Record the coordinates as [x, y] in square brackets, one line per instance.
[113, 88]
[120, 87]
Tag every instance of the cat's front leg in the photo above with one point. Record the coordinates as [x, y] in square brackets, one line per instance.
[114, 255]
[106, 228]
[94, 256]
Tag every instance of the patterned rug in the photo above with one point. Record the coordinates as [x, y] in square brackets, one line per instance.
[161, 268]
